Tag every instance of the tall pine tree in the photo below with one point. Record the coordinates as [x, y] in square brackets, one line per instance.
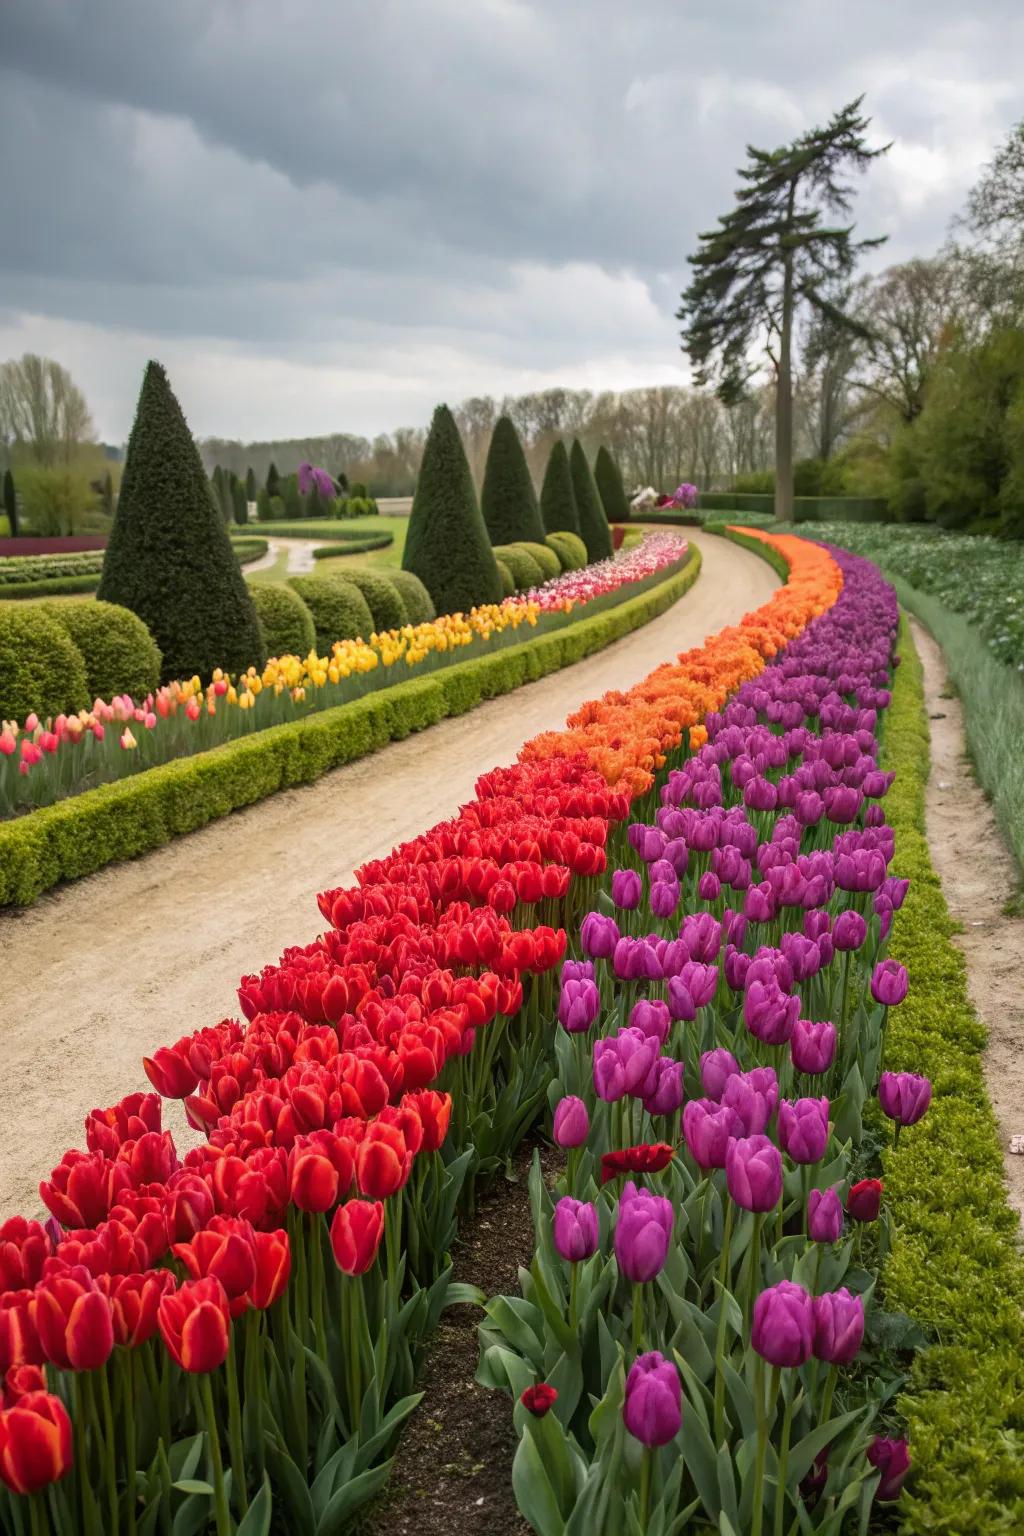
[447, 545]
[594, 530]
[169, 558]
[610, 487]
[770, 255]
[557, 501]
[10, 503]
[508, 500]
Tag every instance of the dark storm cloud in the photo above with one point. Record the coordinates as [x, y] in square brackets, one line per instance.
[308, 178]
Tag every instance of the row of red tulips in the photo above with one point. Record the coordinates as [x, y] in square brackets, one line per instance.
[262, 1303]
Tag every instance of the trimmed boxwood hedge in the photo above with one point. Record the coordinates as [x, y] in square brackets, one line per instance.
[524, 568]
[285, 621]
[570, 549]
[50, 586]
[118, 821]
[41, 667]
[321, 528]
[340, 611]
[363, 546]
[414, 595]
[119, 652]
[508, 581]
[382, 598]
[955, 1266]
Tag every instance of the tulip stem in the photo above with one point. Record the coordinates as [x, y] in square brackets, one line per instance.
[757, 1513]
[220, 1502]
[638, 1318]
[753, 1267]
[127, 1372]
[235, 1428]
[37, 1514]
[574, 1276]
[645, 1486]
[723, 1270]
[110, 1465]
[780, 1487]
[830, 1387]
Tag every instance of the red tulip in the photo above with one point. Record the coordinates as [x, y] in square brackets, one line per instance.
[382, 1161]
[864, 1201]
[314, 1180]
[195, 1324]
[106, 1130]
[134, 1300]
[225, 1251]
[170, 1073]
[356, 1232]
[642, 1159]
[19, 1341]
[435, 1111]
[539, 1399]
[24, 1246]
[35, 1442]
[82, 1188]
[73, 1319]
[273, 1256]
[20, 1380]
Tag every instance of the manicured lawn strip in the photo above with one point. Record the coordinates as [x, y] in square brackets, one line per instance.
[767, 552]
[955, 1265]
[118, 821]
[993, 701]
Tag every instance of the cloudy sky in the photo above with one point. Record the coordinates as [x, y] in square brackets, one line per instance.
[326, 215]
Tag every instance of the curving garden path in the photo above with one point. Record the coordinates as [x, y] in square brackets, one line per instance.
[99, 973]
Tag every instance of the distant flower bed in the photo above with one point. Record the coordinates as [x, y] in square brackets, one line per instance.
[645, 559]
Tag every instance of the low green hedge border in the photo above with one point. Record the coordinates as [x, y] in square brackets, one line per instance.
[49, 586]
[766, 551]
[354, 546]
[313, 528]
[955, 1266]
[118, 821]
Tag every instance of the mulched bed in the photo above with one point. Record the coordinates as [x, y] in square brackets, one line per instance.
[453, 1468]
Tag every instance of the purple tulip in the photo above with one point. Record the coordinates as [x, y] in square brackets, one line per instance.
[809, 808]
[627, 889]
[678, 855]
[572, 1123]
[709, 887]
[803, 1129]
[752, 1108]
[664, 897]
[653, 1411]
[892, 1459]
[667, 1095]
[736, 968]
[574, 1229]
[599, 935]
[904, 1096]
[652, 1016]
[643, 1230]
[577, 970]
[760, 794]
[702, 935]
[716, 1067]
[707, 1129]
[813, 1046]
[734, 926]
[767, 1084]
[803, 955]
[579, 1004]
[824, 1216]
[624, 1064]
[889, 983]
[636, 960]
[842, 804]
[759, 903]
[753, 1172]
[816, 924]
[783, 1325]
[768, 1013]
[849, 930]
[838, 1326]
[693, 988]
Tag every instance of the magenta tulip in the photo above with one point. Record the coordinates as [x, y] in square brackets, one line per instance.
[838, 1326]
[753, 1172]
[653, 1411]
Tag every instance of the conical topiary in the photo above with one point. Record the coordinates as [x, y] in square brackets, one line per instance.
[169, 558]
[447, 545]
[557, 500]
[273, 480]
[508, 500]
[594, 529]
[10, 503]
[610, 487]
[250, 484]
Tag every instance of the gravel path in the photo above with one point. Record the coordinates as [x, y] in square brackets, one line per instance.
[299, 551]
[99, 973]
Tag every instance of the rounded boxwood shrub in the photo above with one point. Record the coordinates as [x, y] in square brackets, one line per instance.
[414, 595]
[285, 621]
[546, 558]
[594, 529]
[41, 667]
[557, 498]
[119, 652]
[340, 611]
[570, 549]
[525, 570]
[382, 597]
[508, 581]
[447, 545]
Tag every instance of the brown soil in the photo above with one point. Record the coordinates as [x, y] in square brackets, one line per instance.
[453, 1470]
[99, 973]
[978, 878]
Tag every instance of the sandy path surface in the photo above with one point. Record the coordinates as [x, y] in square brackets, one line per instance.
[100, 973]
[299, 551]
[978, 879]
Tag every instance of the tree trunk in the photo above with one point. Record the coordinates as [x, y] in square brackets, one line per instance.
[784, 405]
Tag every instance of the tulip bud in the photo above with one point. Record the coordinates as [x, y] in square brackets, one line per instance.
[838, 1326]
[824, 1216]
[753, 1172]
[574, 1229]
[667, 1095]
[783, 1325]
[652, 1410]
[643, 1230]
[599, 936]
[356, 1231]
[716, 1067]
[864, 1201]
[849, 930]
[813, 1046]
[579, 1004]
[892, 1459]
[627, 889]
[572, 1123]
[539, 1399]
[195, 1323]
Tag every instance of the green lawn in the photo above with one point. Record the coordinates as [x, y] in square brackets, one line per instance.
[326, 533]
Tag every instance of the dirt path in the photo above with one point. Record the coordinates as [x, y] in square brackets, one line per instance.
[99, 973]
[978, 878]
[299, 552]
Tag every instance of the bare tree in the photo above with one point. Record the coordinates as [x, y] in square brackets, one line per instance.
[909, 312]
[42, 410]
